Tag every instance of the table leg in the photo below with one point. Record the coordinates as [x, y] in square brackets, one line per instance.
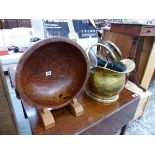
[123, 130]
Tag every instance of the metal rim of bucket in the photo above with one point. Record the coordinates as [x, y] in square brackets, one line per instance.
[105, 100]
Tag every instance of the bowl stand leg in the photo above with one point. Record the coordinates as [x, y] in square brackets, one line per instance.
[76, 107]
[47, 118]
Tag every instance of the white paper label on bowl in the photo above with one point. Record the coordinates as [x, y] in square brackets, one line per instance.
[48, 73]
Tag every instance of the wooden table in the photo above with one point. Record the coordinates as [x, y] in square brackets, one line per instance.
[98, 118]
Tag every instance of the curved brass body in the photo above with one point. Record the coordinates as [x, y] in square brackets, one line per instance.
[104, 85]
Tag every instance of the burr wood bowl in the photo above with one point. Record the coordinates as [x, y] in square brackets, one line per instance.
[52, 72]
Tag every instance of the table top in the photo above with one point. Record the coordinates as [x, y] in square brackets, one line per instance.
[98, 118]
[133, 29]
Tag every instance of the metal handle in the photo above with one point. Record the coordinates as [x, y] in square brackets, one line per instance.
[107, 48]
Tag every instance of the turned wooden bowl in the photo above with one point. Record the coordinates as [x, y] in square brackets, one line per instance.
[52, 72]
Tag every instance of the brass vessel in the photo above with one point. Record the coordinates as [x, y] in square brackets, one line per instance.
[104, 85]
